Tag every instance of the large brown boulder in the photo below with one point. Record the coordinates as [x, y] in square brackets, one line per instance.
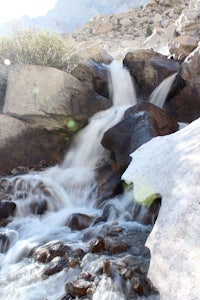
[93, 75]
[148, 70]
[78, 221]
[24, 144]
[141, 123]
[185, 107]
[41, 91]
[165, 123]
[43, 108]
[128, 135]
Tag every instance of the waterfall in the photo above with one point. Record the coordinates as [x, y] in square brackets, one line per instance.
[87, 150]
[45, 202]
[160, 93]
[122, 92]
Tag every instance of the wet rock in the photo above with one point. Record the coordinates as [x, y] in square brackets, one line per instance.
[185, 107]
[72, 262]
[78, 287]
[56, 265]
[38, 208]
[107, 268]
[78, 221]
[115, 247]
[91, 232]
[14, 172]
[115, 230]
[78, 253]
[100, 82]
[148, 70]
[141, 285]
[5, 222]
[97, 245]
[141, 123]
[130, 261]
[128, 135]
[109, 211]
[7, 209]
[49, 251]
[146, 213]
[19, 170]
[108, 182]
[165, 123]
[5, 186]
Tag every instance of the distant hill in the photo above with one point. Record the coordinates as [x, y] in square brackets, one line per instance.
[68, 15]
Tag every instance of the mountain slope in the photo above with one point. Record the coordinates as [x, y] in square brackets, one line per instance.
[68, 15]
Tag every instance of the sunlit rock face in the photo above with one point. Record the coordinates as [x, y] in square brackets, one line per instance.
[41, 111]
[188, 22]
[43, 91]
[170, 166]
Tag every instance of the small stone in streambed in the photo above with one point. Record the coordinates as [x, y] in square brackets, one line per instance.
[72, 262]
[56, 265]
[79, 221]
[97, 245]
[7, 209]
[107, 268]
[115, 231]
[78, 287]
[49, 251]
[115, 247]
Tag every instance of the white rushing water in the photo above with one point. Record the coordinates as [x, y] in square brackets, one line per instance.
[123, 95]
[60, 191]
[159, 95]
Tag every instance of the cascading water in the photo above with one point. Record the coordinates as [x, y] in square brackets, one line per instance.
[46, 201]
[121, 86]
[123, 95]
[160, 93]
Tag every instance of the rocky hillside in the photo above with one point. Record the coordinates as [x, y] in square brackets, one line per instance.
[67, 15]
[125, 31]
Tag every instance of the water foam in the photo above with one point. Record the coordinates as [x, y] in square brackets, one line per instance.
[64, 190]
[159, 95]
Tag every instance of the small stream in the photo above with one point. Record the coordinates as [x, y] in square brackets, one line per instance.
[43, 234]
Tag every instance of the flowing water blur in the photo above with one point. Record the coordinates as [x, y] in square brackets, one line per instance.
[160, 93]
[59, 192]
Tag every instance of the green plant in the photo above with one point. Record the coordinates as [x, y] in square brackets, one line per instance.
[36, 47]
[179, 10]
[148, 30]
